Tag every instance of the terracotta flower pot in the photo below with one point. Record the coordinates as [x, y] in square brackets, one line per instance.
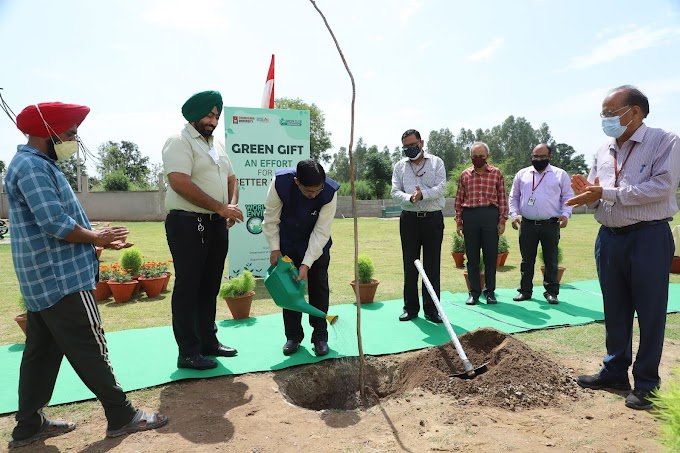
[675, 267]
[167, 280]
[500, 259]
[366, 290]
[459, 258]
[22, 319]
[481, 280]
[240, 305]
[152, 286]
[122, 292]
[560, 272]
[102, 291]
[99, 251]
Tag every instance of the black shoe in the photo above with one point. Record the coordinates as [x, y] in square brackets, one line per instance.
[320, 348]
[639, 399]
[521, 297]
[291, 347]
[472, 300]
[550, 298]
[595, 382]
[222, 351]
[406, 316]
[434, 317]
[491, 299]
[196, 362]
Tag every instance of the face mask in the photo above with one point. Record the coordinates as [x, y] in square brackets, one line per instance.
[65, 150]
[479, 162]
[612, 126]
[540, 165]
[412, 152]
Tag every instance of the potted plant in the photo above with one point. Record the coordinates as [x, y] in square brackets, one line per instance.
[503, 251]
[131, 260]
[22, 318]
[238, 292]
[367, 284]
[458, 249]
[102, 290]
[675, 267]
[481, 275]
[168, 274]
[121, 283]
[152, 277]
[560, 269]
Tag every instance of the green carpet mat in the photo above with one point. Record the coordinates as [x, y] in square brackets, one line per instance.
[146, 357]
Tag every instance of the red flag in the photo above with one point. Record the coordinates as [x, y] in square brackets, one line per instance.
[268, 95]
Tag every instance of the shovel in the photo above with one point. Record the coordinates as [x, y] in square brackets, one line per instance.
[470, 371]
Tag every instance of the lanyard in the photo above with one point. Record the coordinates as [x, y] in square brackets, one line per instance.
[617, 170]
[533, 181]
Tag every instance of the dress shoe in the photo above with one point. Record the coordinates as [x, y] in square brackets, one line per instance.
[550, 298]
[196, 362]
[291, 347]
[222, 351]
[434, 317]
[521, 297]
[320, 348]
[596, 382]
[491, 299]
[472, 300]
[640, 399]
[406, 316]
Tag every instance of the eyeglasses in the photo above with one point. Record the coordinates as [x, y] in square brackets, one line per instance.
[412, 145]
[534, 157]
[307, 191]
[610, 113]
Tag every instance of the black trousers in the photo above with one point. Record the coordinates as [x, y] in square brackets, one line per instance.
[480, 226]
[198, 258]
[317, 287]
[530, 234]
[418, 233]
[72, 328]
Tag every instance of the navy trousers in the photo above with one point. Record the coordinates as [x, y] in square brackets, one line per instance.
[633, 269]
[480, 226]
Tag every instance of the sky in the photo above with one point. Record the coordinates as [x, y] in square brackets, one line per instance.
[423, 64]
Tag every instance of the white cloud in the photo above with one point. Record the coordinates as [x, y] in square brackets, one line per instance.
[488, 51]
[409, 10]
[187, 16]
[624, 45]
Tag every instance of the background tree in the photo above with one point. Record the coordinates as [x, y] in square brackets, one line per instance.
[2, 166]
[319, 137]
[339, 169]
[378, 173]
[442, 144]
[126, 158]
[70, 169]
[564, 157]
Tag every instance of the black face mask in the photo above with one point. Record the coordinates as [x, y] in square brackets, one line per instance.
[540, 165]
[411, 151]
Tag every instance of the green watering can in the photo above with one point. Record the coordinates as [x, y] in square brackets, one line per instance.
[287, 293]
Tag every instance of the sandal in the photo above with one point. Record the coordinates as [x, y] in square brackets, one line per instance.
[49, 428]
[142, 421]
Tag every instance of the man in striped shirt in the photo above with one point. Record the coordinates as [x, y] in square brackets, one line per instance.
[55, 261]
[632, 188]
[481, 212]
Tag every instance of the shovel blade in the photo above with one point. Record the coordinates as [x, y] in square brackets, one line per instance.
[472, 374]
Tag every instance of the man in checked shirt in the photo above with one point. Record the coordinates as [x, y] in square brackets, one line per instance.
[632, 188]
[481, 211]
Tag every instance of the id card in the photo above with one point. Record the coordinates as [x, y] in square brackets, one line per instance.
[532, 201]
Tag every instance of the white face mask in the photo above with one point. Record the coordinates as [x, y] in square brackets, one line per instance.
[65, 150]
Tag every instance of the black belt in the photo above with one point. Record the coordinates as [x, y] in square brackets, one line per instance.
[541, 222]
[421, 214]
[204, 216]
[636, 226]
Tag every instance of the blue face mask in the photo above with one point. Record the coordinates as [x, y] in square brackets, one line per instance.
[612, 126]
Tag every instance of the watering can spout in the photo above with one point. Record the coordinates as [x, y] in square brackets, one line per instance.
[289, 294]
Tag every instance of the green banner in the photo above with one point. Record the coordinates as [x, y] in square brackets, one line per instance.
[259, 142]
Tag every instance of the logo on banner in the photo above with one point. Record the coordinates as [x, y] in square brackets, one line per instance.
[285, 122]
[262, 119]
[255, 214]
[242, 119]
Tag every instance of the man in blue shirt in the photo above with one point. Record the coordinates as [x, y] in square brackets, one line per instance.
[56, 264]
[537, 199]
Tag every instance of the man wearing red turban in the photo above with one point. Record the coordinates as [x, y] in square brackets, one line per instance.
[56, 264]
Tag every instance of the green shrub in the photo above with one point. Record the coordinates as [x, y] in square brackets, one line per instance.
[559, 255]
[366, 269]
[116, 182]
[667, 410]
[131, 260]
[363, 190]
[458, 243]
[238, 286]
[503, 245]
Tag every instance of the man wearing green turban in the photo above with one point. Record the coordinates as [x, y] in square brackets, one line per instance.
[201, 202]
